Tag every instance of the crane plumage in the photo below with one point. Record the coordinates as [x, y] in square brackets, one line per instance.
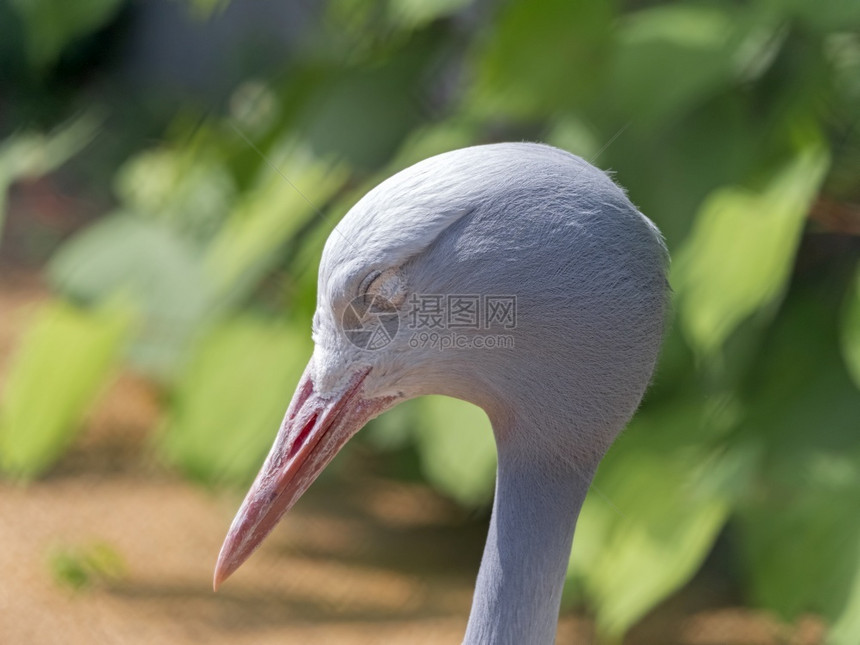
[587, 273]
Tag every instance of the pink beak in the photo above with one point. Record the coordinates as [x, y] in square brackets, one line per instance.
[313, 431]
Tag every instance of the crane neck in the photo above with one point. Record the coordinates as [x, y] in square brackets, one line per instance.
[519, 586]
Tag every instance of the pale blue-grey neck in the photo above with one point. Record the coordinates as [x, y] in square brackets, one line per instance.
[519, 586]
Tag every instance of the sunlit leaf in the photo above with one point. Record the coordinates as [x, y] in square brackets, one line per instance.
[63, 362]
[287, 194]
[846, 628]
[429, 141]
[649, 521]
[740, 252]
[396, 428]
[457, 449]
[231, 398]
[851, 332]
[573, 134]
[53, 24]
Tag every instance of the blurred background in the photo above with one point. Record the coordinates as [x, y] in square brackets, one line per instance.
[169, 172]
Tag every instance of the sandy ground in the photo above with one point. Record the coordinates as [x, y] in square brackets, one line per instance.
[359, 560]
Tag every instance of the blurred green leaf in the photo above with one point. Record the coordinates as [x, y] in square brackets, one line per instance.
[415, 13]
[573, 134]
[794, 416]
[63, 362]
[686, 43]
[540, 57]
[651, 518]
[189, 189]
[231, 398]
[740, 252]
[207, 8]
[159, 272]
[85, 565]
[286, 195]
[686, 102]
[429, 141]
[799, 540]
[362, 115]
[801, 546]
[28, 155]
[846, 628]
[670, 57]
[851, 331]
[53, 24]
[254, 107]
[395, 428]
[827, 15]
[457, 449]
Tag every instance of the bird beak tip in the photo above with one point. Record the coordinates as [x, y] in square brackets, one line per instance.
[224, 568]
[220, 576]
[217, 579]
[314, 429]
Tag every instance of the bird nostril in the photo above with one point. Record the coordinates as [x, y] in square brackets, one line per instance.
[302, 436]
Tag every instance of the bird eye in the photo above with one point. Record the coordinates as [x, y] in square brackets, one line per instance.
[388, 284]
[368, 281]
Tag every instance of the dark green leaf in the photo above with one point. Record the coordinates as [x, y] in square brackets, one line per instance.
[52, 24]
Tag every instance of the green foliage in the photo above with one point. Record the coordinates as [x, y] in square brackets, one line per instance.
[248, 243]
[231, 397]
[728, 123]
[660, 47]
[457, 448]
[63, 363]
[800, 542]
[847, 626]
[185, 249]
[738, 257]
[416, 13]
[802, 547]
[85, 565]
[851, 331]
[650, 519]
[190, 190]
[143, 262]
[519, 65]
[53, 24]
